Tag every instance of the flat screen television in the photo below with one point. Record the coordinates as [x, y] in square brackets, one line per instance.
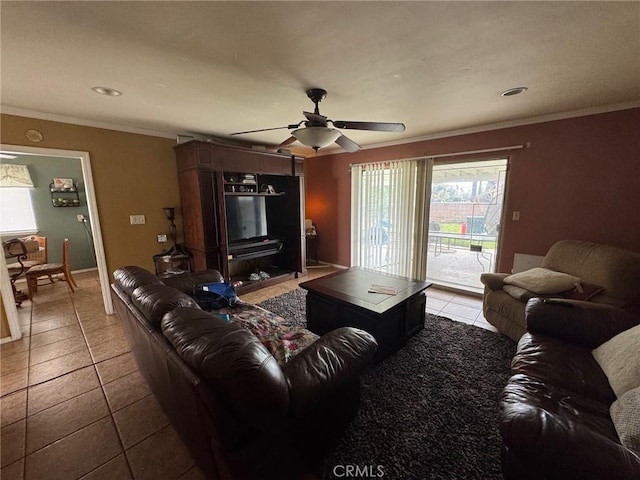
[246, 218]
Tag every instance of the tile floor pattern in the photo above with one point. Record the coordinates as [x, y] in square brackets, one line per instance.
[73, 404]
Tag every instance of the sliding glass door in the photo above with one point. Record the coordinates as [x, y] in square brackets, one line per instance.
[464, 222]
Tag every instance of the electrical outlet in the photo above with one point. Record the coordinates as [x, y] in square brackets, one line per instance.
[162, 239]
[137, 219]
[80, 218]
[516, 215]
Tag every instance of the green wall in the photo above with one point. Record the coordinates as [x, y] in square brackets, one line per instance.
[58, 223]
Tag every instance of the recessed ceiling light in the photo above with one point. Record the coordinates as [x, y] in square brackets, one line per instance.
[514, 91]
[107, 91]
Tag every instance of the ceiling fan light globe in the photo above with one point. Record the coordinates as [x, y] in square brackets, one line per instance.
[316, 137]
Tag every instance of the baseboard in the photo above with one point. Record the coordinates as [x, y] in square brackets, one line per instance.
[9, 339]
[73, 272]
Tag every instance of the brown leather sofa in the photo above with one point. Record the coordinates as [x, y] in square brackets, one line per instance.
[554, 412]
[615, 269]
[242, 415]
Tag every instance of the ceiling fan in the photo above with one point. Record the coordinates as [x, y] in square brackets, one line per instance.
[317, 134]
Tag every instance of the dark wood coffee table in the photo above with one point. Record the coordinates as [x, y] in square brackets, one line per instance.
[342, 299]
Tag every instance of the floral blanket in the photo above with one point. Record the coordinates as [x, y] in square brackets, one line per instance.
[282, 339]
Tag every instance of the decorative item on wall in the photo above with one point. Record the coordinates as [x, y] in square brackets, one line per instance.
[64, 193]
[34, 135]
[63, 183]
[15, 176]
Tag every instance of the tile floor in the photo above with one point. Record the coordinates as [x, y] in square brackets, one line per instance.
[74, 406]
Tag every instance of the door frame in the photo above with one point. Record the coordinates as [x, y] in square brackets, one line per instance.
[96, 231]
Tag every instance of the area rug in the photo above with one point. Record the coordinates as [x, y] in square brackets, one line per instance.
[430, 411]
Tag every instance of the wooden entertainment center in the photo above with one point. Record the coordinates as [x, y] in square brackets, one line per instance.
[264, 193]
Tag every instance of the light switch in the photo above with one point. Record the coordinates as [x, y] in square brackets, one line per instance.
[162, 238]
[137, 219]
[516, 215]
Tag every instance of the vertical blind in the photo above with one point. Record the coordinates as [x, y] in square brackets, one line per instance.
[385, 221]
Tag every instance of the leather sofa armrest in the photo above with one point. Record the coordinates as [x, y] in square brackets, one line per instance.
[331, 362]
[583, 323]
[493, 281]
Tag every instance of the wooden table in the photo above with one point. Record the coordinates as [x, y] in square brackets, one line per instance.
[342, 299]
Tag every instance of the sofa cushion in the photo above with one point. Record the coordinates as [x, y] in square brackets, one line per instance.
[620, 360]
[156, 300]
[543, 281]
[555, 434]
[131, 277]
[234, 362]
[566, 366]
[616, 269]
[625, 413]
[581, 323]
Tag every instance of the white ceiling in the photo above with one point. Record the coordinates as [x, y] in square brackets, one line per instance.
[213, 68]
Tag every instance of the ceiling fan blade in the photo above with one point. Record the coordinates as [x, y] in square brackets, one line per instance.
[294, 125]
[377, 126]
[316, 119]
[348, 144]
[288, 141]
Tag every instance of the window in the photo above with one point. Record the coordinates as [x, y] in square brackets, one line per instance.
[16, 212]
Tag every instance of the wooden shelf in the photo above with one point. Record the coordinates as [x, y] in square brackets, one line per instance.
[210, 176]
[253, 194]
[277, 275]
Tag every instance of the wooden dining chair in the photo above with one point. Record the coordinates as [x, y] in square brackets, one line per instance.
[36, 253]
[49, 269]
[39, 256]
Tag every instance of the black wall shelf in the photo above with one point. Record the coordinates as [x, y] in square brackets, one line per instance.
[64, 197]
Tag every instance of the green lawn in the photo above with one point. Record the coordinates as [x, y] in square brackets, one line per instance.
[459, 242]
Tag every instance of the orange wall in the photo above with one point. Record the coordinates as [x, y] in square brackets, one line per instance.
[580, 179]
[132, 174]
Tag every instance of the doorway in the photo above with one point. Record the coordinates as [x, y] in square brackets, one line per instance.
[96, 232]
[465, 217]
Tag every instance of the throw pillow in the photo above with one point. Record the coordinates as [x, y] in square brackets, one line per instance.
[588, 290]
[619, 358]
[625, 413]
[519, 293]
[544, 281]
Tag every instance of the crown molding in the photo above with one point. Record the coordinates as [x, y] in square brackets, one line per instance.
[19, 112]
[451, 133]
[509, 124]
